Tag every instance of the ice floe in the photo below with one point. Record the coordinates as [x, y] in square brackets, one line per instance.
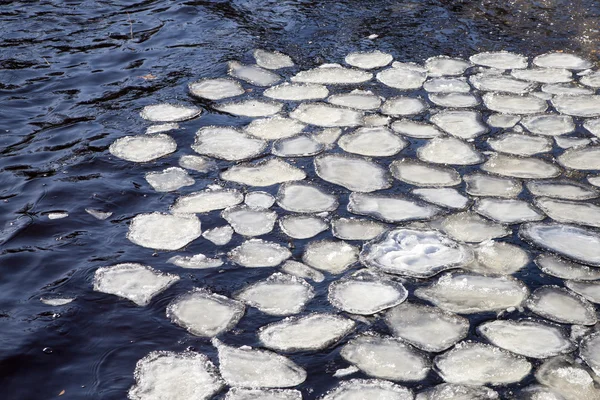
[543, 75]
[297, 92]
[403, 106]
[489, 82]
[422, 174]
[250, 221]
[372, 142]
[361, 100]
[163, 231]
[227, 143]
[568, 378]
[356, 228]
[333, 256]
[514, 104]
[507, 211]
[274, 128]
[302, 271]
[414, 129]
[519, 144]
[325, 115]
[493, 257]
[549, 124]
[402, 78]
[454, 100]
[451, 391]
[302, 226]
[272, 59]
[250, 108]
[570, 211]
[368, 389]
[253, 74]
[447, 85]
[169, 112]
[390, 208]
[470, 227]
[446, 66]
[299, 146]
[305, 198]
[462, 124]
[263, 394]
[357, 174]
[561, 60]
[263, 173]
[143, 148]
[589, 290]
[565, 269]
[488, 185]
[500, 60]
[197, 163]
[259, 199]
[207, 200]
[216, 89]
[562, 189]
[578, 106]
[332, 75]
[444, 197]
[581, 158]
[197, 261]
[449, 150]
[520, 167]
[560, 305]
[257, 253]
[170, 179]
[369, 60]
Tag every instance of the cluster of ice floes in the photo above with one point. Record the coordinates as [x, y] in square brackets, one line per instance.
[384, 202]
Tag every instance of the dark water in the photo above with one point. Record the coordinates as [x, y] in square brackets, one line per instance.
[73, 77]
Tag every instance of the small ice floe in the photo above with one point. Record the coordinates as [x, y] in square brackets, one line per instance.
[488, 185]
[568, 378]
[325, 115]
[480, 364]
[56, 301]
[447, 85]
[503, 120]
[299, 146]
[591, 80]
[368, 389]
[312, 332]
[544, 75]
[374, 120]
[220, 235]
[566, 142]
[227, 143]
[302, 271]
[356, 228]
[454, 100]
[527, 338]
[403, 106]
[332, 256]
[369, 60]
[560, 268]
[514, 103]
[499, 258]
[205, 314]
[301, 197]
[570, 211]
[401, 77]
[274, 128]
[566, 88]
[250, 221]
[450, 391]
[161, 231]
[143, 148]
[263, 173]
[197, 261]
[207, 200]
[519, 144]
[549, 124]
[386, 358]
[414, 253]
[357, 174]
[216, 89]
[57, 215]
[462, 124]
[446, 66]
[251, 368]
[372, 142]
[520, 167]
[490, 82]
[561, 60]
[98, 214]
[272, 59]
[302, 226]
[332, 75]
[590, 351]
[507, 211]
[500, 60]
[467, 293]
[571, 241]
[421, 174]
[594, 180]
[390, 208]
[250, 108]
[259, 199]
[358, 99]
[342, 372]
[470, 227]
[136, 282]
[170, 179]
[538, 392]
[578, 106]
[581, 158]
[561, 305]
[444, 197]
[171, 126]
[170, 375]
[414, 129]
[562, 189]
[366, 293]
[427, 328]
[588, 290]
[279, 294]
[169, 113]
[197, 163]
[263, 394]
[297, 92]
[257, 253]
[253, 74]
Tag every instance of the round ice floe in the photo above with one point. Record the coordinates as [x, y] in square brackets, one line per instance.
[402, 78]
[250, 108]
[356, 229]
[279, 294]
[135, 282]
[216, 89]
[263, 173]
[565, 88]
[321, 114]
[170, 179]
[403, 106]
[590, 351]
[176, 376]
[470, 227]
[549, 124]
[507, 211]
[561, 60]
[302, 271]
[544, 75]
[333, 256]
[274, 128]
[449, 150]
[372, 142]
[571, 241]
[163, 231]
[446, 66]
[428, 328]
[503, 120]
[570, 211]
[488, 185]
[143, 148]
[299, 146]
[369, 60]
[466, 293]
[565, 269]
[445, 197]
[354, 173]
[568, 378]
[447, 85]
[591, 80]
[297, 92]
[259, 199]
[257, 253]
[207, 200]
[205, 314]
[500, 60]
[450, 391]
[227, 143]
[220, 235]
[272, 59]
[386, 358]
[417, 130]
[414, 253]
[302, 226]
[589, 290]
[251, 368]
[368, 389]
[481, 364]
[390, 208]
[578, 106]
[169, 113]
[422, 174]
[197, 163]
[569, 190]
[527, 338]
[560, 305]
[581, 158]
[263, 394]
[249, 221]
[366, 293]
[197, 261]
[514, 104]
[500, 83]
[462, 124]
[332, 75]
[358, 99]
[253, 74]
[454, 100]
[308, 333]
[499, 258]
[519, 144]
[520, 167]
[305, 198]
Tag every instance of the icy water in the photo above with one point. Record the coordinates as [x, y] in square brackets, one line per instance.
[74, 77]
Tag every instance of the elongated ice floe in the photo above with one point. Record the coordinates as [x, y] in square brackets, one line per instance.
[561, 60]
[170, 179]
[325, 115]
[197, 163]
[333, 256]
[565, 269]
[302, 226]
[544, 75]
[520, 167]
[263, 173]
[574, 212]
[197, 261]
[253, 74]
[444, 197]
[299, 146]
[143, 148]
[560, 305]
[357, 174]
[507, 211]
[250, 108]
[454, 100]
[549, 124]
[369, 60]
[462, 124]
[163, 231]
[519, 144]
[272, 59]
[568, 378]
[578, 106]
[368, 389]
[582, 158]
[403, 106]
[263, 394]
[566, 88]
[499, 258]
[305, 198]
[449, 150]
[491, 82]
[356, 228]
[479, 184]
[588, 290]
[257, 253]
[562, 189]
[250, 221]
[539, 392]
[169, 112]
[500, 60]
[358, 99]
[499, 120]
[332, 75]
[216, 89]
[297, 91]
[207, 200]
[590, 351]
[372, 142]
[227, 143]
[592, 79]
[276, 127]
[451, 391]
[514, 104]
[414, 129]
[470, 227]
[447, 85]
[423, 174]
[390, 208]
[302, 271]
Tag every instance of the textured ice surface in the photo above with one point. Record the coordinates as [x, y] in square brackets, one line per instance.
[570, 211]
[356, 228]
[450, 391]
[369, 60]
[593, 126]
[302, 271]
[565, 269]
[297, 92]
[544, 75]
[373, 120]
[299, 146]
[578, 106]
[333, 256]
[354, 173]
[507, 211]
[489, 82]
[503, 120]
[373, 142]
[449, 150]
[250, 108]
[169, 112]
[414, 129]
[527, 338]
[332, 75]
[500, 60]
[390, 208]
[445, 197]
[250, 221]
[302, 226]
[307, 333]
[263, 394]
[257, 253]
[480, 364]
[163, 231]
[422, 174]
[143, 148]
[520, 167]
[549, 124]
[454, 100]
[386, 358]
[135, 282]
[170, 179]
[489, 185]
[447, 85]
[263, 173]
[361, 100]
[402, 78]
[569, 190]
[252, 368]
[197, 261]
[216, 89]
[589, 290]
[445, 66]
[467, 293]
[272, 59]
[538, 392]
[403, 106]
[205, 314]
[279, 294]
[470, 227]
[303, 197]
[561, 60]
[253, 74]
[207, 200]
[325, 115]
[560, 305]
[259, 199]
[462, 124]
[415, 253]
[590, 351]
[197, 163]
[227, 143]
[274, 128]
[359, 389]
[519, 144]
[568, 378]
[428, 328]
[583, 158]
[327, 136]
[566, 88]
[175, 376]
[492, 257]
[514, 104]
[566, 142]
